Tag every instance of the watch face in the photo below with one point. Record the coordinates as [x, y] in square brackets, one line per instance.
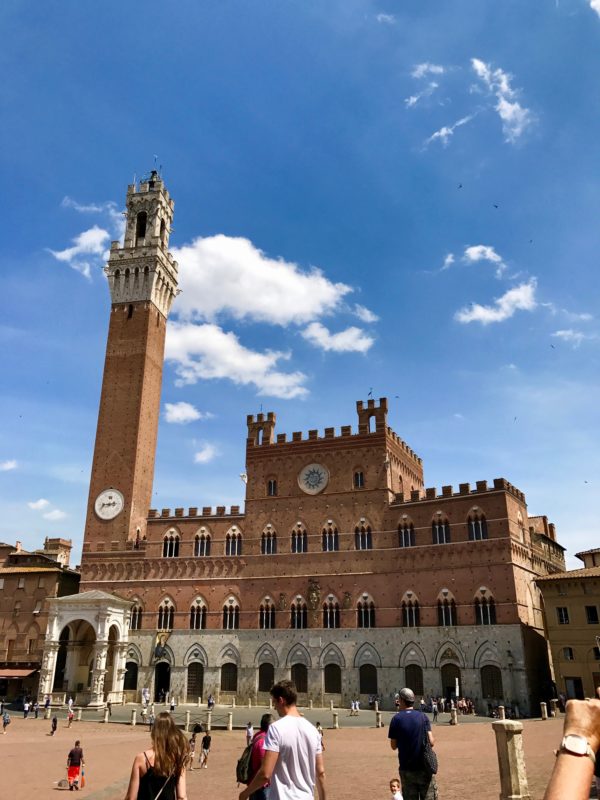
[109, 504]
[575, 744]
[313, 478]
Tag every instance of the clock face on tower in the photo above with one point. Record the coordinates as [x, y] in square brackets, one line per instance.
[109, 504]
[313, 478]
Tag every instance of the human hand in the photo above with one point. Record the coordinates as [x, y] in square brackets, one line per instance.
[583, 717]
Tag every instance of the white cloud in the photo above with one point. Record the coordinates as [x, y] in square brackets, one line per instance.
[447, 131]
[9, 464]
[350, 340]
[229, 275]
[412, 101]
[388, 19]
[182, 413]
[448, 261]
[116, 217]
[483, 252]
[38, 505]
[519, 298]
[365, 314]
[458, 416]
[206, 453]
[54, 515]
[88, 243]
[208, 352]
[595, 6]
[573, 337]
[515, 118]
[426, 68]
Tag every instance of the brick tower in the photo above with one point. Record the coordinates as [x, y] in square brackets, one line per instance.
[142, 277]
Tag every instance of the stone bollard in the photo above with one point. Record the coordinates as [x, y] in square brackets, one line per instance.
[133, 716]
[378, 720]
[511, 760]
[152, 708]
[336, 721]
[199, 702]
[105, 715]
[187, 721]
[270, 706]
[544, 709]
[553, 708]
[233, 702]
[208, 721]
[453, 717]
[310, 703]
[249, 702]
[331, 705]
[501, 712]
[230, 721]
[47, 713]
[78, 717]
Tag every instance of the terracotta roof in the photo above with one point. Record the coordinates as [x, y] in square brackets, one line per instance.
[588, 552]
[12, 570]
[590, 572]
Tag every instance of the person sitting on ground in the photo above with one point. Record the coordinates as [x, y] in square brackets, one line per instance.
[579, 753]
[74, 765]
[160, 771]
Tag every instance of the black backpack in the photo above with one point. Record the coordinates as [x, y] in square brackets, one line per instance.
[243, 770]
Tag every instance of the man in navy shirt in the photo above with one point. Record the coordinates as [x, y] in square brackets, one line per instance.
[407, 732]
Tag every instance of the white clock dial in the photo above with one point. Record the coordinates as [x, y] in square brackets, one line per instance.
[313, 478]
[109, 504]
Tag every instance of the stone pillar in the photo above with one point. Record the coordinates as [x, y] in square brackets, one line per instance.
[47, 713]
[78, 717]
[187, 721]
[48, 667]
[199, 702]
[208, 721]
[336, 721]
[453, 717]
[501, 712]
[249, 702]
[118, 671]
[105, 715]
[544, 709]
[133, 716]
[378, 720]
[331, 705]
[71, 669]
[310, 703]
[553, 708]
[98, 673]
[233, 702]
[511, 760]
[230, 721]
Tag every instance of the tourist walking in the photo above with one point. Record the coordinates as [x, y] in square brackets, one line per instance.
[25, 709]
[319, 728]
[70, 717]
[258, 754]
[53, 725]
[293, 761]
[161, 770]
[205, 750]
[407, 733]
[434, 708]
[36, 709]
[109, 707]
[74, 766]
[192, 744]
[5, 721]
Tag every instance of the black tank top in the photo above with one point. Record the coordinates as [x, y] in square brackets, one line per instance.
[152, 784]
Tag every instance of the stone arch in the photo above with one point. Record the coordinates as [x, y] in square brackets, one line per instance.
[331, 654]
[449, 652]
[266, 655]
[412, 653]
[298, 654]
[486, 653]
[367, 654]
[134, 654]
[167, 655]
[195, 654]
[228, 654]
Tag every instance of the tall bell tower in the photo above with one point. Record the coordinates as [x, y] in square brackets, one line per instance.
[142, 278]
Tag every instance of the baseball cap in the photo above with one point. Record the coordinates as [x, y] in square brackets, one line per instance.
[407, 695]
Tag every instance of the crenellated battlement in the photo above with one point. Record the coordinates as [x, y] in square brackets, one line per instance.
[195, 512]
[464, 490]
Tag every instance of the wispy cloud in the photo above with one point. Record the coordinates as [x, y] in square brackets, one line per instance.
[427, 68]
[483, 252]
[109, 208]
[411, 102]
[206, 454]
[350, 340]
[365, 314]
[88, 243]
[8, 465]
[447, 131]
[55, 515]
[38, 505]
[182, 413]
[386, 19]
[448, 261]
[515, 117]
[573, 337]
[519, 298]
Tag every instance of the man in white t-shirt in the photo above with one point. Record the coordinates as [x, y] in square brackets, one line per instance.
[293, 760]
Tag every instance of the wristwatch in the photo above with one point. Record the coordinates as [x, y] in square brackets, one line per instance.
[577, 745]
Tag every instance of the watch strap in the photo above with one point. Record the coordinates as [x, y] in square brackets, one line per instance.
[588, 752]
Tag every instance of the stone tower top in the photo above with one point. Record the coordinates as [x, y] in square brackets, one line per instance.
[143, 270]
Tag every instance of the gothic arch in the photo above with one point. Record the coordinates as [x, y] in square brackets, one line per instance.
[229, 654]
[487, 653]
[331, 654]
[167, 656]
[195, 654]
[449, 652]
[367, 654]
[134, 654]
[298, 654]
[266, 655]
[412, 653]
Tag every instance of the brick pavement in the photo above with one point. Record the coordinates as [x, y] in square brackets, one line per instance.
[359, 762]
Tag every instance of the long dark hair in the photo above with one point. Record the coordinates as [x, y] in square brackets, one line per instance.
[171, 748]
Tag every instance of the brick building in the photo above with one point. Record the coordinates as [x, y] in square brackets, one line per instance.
[27, 580]
[342, 570]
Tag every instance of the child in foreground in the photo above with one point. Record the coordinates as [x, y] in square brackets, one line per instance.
[395, 789]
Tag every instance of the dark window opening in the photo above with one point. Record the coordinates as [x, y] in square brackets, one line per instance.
[130, 312]
[333, 679]
[140, 226]
[367, 678]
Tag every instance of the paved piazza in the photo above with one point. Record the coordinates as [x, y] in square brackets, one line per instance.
[358, 760]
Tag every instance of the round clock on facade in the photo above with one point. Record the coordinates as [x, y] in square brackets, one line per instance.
[109, 503]
[313, 478]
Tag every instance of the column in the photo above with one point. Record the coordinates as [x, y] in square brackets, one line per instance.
[511, 760]
[118, 671]
[48, 667]
[98, 673]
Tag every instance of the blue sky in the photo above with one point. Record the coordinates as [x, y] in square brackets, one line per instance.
[396, 196]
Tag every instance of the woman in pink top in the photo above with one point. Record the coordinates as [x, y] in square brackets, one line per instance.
[258, 753]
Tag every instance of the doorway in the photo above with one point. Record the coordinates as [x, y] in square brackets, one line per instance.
[162, 680]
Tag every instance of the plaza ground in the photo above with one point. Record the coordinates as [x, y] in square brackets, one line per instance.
[358, 759]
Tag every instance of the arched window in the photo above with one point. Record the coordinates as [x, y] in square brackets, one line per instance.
[406, 535]
[198, 615]
[330, 538]
[491, 682]
[440, 531]
[299, 540]
[266, 677]
[410, 613]
[136, 618]
[266, 615]
[485, 610]
[477, 527]
[140, 226]
[367, 679]
[202, 544]
[268, 543]
[365, 613]
[362, 537]
[163, 227]
[231, 616]
[300, 677]
[413, 678]
[272, 487]
[229, 677]
[333, 679]
[446, 612]
[171, 545]
[233, 544]
[331, 614]
[359, 480]
[166, 616]
[299, 614]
